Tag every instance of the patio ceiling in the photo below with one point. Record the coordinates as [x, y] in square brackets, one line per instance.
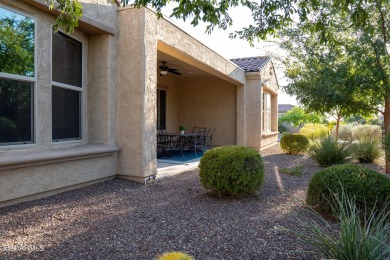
[185, 69]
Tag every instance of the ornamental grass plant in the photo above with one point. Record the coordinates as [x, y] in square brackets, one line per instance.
[367, 150]
[328, 152]
[361, 233]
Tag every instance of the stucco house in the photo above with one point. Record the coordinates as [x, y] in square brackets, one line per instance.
[84, 107]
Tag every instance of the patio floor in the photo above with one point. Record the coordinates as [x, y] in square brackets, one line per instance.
[170, 166]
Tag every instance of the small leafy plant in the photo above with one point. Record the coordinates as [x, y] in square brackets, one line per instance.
[295, 171]
[182, 128]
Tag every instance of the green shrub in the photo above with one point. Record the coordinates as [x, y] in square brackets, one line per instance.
[296, 171]
[231, 170]
[362, 234]
[328, 152]
[345, 133]
[367, 132]
[294, 143]
[367, 151]
[314, 131]
[174, 256]
[369, 188]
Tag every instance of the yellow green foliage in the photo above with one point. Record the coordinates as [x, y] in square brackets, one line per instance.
[367, 132]
[174, 256]
[294, 143]
[314, 131]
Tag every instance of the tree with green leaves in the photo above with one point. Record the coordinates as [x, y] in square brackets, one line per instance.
[297, 116]
[269, 16]
[17, 46]
[321, 75]
[349, 70]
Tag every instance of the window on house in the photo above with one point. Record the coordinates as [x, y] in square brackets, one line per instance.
[17, 77]
[67, 88]
[266, 112]
[161, 109]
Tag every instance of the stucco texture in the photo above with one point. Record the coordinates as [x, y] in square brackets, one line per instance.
[22, 182]
[98, 114]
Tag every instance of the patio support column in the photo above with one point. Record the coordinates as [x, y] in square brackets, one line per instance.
[241, 117]
[137, 79]
[253, 110]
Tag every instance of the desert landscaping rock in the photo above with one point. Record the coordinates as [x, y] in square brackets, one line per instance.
[119, 219]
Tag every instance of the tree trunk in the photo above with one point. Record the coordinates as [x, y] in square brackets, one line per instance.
[337, 126]
[386, 123]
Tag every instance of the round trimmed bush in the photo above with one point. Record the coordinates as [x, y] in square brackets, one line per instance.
[294, 143]
[231, 170]
[370, 188]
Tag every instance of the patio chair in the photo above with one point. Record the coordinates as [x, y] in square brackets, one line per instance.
[209, 138]
[197, 129]
[199, 141]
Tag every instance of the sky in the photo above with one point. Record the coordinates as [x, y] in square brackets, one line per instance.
[220, 42]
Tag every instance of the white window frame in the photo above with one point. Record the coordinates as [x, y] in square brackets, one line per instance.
[266, 112]
[32, 80]
[70, 87]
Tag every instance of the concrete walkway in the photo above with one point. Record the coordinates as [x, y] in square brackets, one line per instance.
[167, 168]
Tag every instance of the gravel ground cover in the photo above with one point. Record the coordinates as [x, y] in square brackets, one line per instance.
[119, 219]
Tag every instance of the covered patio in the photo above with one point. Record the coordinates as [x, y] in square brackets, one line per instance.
[195, 98]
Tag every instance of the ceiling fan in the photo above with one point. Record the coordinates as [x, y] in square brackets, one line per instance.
[165, 69]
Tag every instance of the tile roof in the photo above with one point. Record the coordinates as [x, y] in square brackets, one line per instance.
[251, 64]
[283, 108]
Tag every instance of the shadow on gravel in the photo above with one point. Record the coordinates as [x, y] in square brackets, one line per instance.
[119, 219]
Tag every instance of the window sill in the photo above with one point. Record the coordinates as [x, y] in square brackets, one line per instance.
[15, 160]
[268, 134]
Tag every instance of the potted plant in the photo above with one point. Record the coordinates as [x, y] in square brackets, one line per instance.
[182, 129]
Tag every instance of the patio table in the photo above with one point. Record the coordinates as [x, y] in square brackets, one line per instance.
[178, 141]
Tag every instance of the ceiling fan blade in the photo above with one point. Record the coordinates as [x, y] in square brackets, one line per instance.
[174, 72]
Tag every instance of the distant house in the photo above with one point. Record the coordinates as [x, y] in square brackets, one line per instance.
[283, 109]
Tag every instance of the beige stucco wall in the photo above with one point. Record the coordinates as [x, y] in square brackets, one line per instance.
[209, 102]
[137, 55]
[98, 117]
[23, 182]
[99, 16]
[201, 101]
[102, 83]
